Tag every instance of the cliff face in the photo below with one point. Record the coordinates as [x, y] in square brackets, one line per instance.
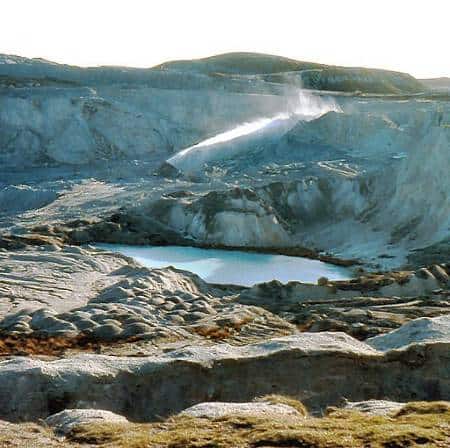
[114, 113]
[324, 170]
[419, 206]
[44, 125]
[316, 368]
[377, 167]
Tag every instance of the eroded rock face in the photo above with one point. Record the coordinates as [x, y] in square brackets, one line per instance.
[234, 218]
[342, 208]
[330, 180]
[329, 183]
[319, 369]
[112, 123]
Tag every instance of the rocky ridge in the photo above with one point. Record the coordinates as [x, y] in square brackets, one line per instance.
[143, 388]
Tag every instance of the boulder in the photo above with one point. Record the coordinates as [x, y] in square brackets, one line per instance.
[63, 422]
[214, 410]
[374, 407]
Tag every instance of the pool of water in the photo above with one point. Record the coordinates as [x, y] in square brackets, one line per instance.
[232, 267]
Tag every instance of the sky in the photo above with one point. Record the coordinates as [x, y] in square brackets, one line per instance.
[404, 35]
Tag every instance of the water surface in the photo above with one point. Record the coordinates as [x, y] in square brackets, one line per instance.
[235, 267]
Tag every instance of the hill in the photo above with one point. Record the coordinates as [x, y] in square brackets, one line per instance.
[246, 72]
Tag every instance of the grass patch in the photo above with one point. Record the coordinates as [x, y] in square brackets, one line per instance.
[424, 407]
[425, 425]
[283, 399]
[22, 435]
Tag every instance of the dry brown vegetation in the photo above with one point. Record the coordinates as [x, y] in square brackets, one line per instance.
[29, 435]
[424, 425]
[15, 345]
[283, 399]
[24, 345]
[217, 333]
[213, 332]
[423, 407]
[373, 282]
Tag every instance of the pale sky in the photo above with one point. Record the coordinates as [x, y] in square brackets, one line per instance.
[406, 35]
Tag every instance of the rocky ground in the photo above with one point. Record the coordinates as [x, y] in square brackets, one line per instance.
[99, 350]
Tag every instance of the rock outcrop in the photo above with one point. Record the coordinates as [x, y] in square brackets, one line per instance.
[366, 306]
[319, 369]
[420, 330]
[374, 407]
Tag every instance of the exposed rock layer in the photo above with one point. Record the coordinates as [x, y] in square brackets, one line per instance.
[318, 369]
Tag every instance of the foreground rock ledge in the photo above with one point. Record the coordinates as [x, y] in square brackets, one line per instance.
[317, 368]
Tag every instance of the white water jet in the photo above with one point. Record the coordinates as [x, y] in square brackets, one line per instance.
[231, 143]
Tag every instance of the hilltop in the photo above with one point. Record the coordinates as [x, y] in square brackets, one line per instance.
[192, 73]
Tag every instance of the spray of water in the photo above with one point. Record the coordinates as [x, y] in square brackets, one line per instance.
[310, 106]
[305, 107]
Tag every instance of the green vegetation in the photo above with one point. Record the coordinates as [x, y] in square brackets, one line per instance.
[311, 75]
[242, 63]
